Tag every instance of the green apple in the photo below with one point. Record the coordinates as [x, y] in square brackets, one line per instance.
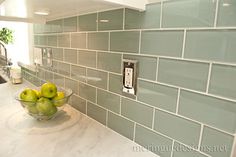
[38, 93]
[48, 90]
[28, 95]
[45, 107]
[59, 100]
[32, 109]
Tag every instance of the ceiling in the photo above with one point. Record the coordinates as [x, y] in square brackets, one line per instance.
[24, 10]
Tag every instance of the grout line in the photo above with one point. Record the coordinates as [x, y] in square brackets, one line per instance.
[172, 148]
[121, 65]
[96, 95]
[216, 13]
[184, 41]
[108, 80]
[177, 104]
[97, 22]
[158, 61]
[70, 39]
[134, 131]
[106, 117]
[161, 14]
[139, 44]
[86, 74]
[200, 137]
[153, 118]
[86, 107]
[123, 25]
[209, 78]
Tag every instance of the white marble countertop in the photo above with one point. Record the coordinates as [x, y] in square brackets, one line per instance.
[70, 134]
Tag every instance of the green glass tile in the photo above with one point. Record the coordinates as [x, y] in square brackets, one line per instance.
[188, 13]
[216, 143]
[70, 24]
[222, 81]
[121, 125]
[97, 113]
[70, 56]
[47, 29]
[41, 73]
[153, 141]
[108, 100]
[58, 80]
[87, 58]
[55, 26]
[36, 40]
[78, 103]
[216, 45]
[64, 40]
[186, 74]
[52, 40]
[115, 83]
[133, 19]
[54, 67]
[87, 92]
[208, 110]
[183, 151]
[98, 40]
[38, 28]
[88, 22]
[177, 128]
[109, 61]
[164, 43]
[48, 76]
[145, 63]
[78, 73]
[157, 95]
[150, 18]
[132, 109]
[57, 53]
[226, 13]
[63, 68]
[72, 84]
[42, 40]
[97, 78]
[125, 41]
[110, 20]
[78, 40]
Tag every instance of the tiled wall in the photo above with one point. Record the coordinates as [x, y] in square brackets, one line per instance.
[187, 71]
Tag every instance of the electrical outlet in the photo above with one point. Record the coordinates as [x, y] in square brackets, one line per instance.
[129, 76]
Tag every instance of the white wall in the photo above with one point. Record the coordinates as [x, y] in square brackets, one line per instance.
[22, 45]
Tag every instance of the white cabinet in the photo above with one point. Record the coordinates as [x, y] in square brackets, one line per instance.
[24, 10]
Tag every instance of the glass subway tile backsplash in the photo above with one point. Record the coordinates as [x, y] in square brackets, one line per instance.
[187, 71]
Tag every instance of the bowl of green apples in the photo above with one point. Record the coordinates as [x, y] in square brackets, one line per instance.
[43, 103]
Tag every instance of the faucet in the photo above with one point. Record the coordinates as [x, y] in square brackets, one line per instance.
[8, 63]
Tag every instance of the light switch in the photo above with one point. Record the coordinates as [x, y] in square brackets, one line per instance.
[129, 76]
[38, 56]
